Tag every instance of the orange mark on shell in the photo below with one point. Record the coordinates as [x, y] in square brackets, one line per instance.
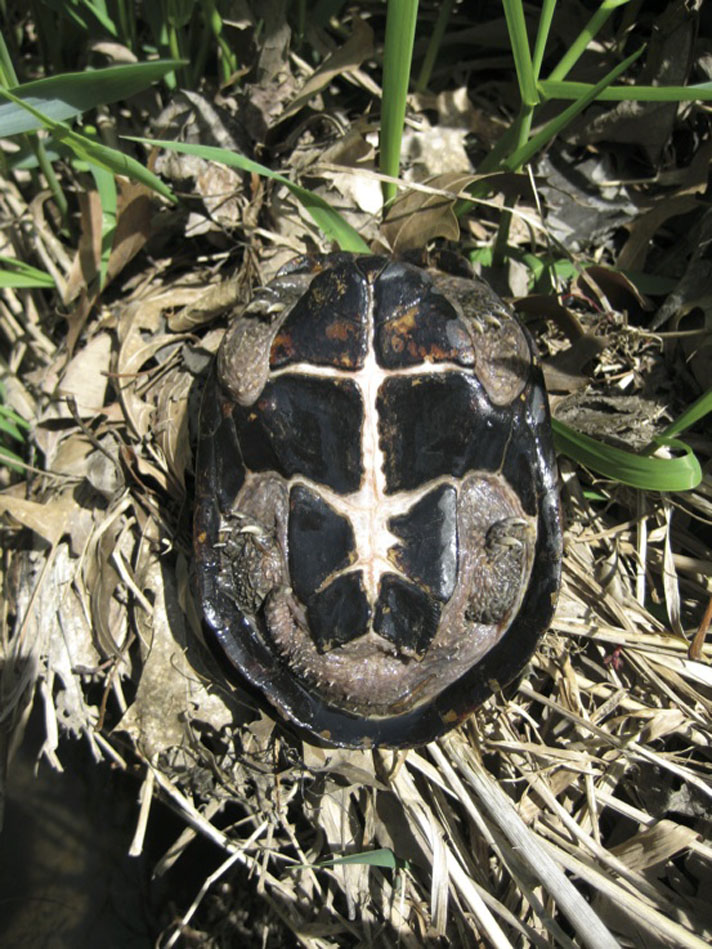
[283, 345]
[406, 322]
[338, 330]
[437, 353]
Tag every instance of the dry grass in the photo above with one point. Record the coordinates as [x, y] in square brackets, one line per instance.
[573, 811]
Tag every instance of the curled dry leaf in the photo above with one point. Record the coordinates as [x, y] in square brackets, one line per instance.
[417, 217]
[171, 433]
[56, 642]
[50, 519]
[668, 59]
[357, 48]
[456, 110]
[133, 228]
[169, 684]
[654, 845]
[85, 379]
[112, 539]
[143, 341]
[210, 302]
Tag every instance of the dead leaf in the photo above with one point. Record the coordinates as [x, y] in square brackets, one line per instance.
[545, 307]
[654, 845]
[563, 372]
[668, 59]
[169, 685]
[133, 226]
[114, 52]
[456, 110]
[85, 378]
[357, 48]
[614, 288]
[274, 51]
[141, 340]
[50, 519]
[418, 217]
[645, 226]
[85, 266]
[103, 581]
[171, 433]
[211, 302]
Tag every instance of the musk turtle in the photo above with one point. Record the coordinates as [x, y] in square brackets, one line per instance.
[377, 530]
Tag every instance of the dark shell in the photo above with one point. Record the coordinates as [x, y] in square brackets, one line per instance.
[377, 529]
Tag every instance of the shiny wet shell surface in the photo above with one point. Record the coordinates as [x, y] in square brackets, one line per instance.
[377, 534]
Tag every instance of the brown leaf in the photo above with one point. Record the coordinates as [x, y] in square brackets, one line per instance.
[50, 519]
[133, 227]
[654, 845]
[168, 686]
[668, 59]
[645, 226]
[85, 266]
[85, 378]
[418, 217]
[171, 433]
[564, 371]
[357, 48]
[211, 302]
[546, 307]
[614, 286]
[103, 581]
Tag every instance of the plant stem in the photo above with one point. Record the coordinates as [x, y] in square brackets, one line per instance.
[397, 56]
[542, 35]
[522, 126]
[48, 171]
[519, 41]
[127, 23]
[526, 75]
[434, 45]
[8, 78]
[573, 53]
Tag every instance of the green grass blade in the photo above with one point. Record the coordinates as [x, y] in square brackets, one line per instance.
[19, 275]
[542, 35]
[75, 11]
[8, 76]
[94, 153]
[702, 92]
[434, 44]
[68, 95]
[106, 188]
[588, 33]
[327, 218]
[10, 460]
[25, 158]
[383, 857]
[397, 57]
[519, 41]
[524, 154]
[12, 424]
[692, 414]
[681, 473]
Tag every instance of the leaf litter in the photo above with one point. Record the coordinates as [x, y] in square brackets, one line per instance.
[572, 809]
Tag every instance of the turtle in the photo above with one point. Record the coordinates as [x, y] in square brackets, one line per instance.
[377, 529]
